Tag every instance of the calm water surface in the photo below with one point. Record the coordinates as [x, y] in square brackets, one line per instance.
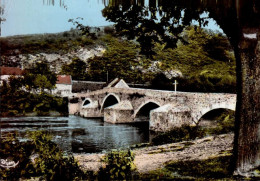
[78, 134]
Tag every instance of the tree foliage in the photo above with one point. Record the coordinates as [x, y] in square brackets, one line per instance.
[238, 19]
[39, 77]
[118, 61]
[77, 69]
[30, 93]
[163, 24]
[38, 157]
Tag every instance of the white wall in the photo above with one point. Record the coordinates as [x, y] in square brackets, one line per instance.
[63, 90]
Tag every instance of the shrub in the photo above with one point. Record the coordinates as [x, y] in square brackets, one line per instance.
[13, 150]
[225, 123]
[51, 162]
[119, 165]
[183, 133]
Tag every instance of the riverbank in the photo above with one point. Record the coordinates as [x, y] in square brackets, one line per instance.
[153, 158]
[34, 114]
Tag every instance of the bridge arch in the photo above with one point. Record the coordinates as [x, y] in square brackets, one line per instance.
[109, 100]
[143, 111]
[204, 111]
[86, 102]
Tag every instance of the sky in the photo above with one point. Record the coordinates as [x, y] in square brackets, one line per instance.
[33, 17]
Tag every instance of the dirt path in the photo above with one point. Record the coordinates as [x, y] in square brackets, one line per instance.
[154, 157]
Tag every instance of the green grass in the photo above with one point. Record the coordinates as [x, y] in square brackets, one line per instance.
[44, 43]
[218, 168]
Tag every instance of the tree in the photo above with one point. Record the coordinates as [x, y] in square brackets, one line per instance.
[118, 61]
[42, 68]
[40, 77]
[239, 20]
[77, 69]
[41, 82]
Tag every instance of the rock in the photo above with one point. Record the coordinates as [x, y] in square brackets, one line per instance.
[173, 74]
[56, 60]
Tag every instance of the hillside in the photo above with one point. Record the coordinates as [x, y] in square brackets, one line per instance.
[204, 63]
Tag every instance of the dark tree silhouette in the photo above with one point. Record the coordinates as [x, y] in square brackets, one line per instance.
[163, 21]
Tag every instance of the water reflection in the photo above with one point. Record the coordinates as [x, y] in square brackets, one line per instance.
[77, 134]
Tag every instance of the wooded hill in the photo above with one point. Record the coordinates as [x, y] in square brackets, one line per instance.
[203, 62]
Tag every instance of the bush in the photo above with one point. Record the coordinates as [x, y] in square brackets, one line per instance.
[225, 123]
[183, 133]
[13, 150]
[39, 157]
[119, 165]
[51, 162]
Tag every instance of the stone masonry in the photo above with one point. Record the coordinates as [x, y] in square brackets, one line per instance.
[165, 109]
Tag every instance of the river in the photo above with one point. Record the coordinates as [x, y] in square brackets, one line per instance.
[79, 135]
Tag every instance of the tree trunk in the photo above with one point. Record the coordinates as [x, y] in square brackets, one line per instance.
[247, 132]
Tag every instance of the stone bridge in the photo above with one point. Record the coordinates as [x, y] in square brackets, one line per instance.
[164, 109]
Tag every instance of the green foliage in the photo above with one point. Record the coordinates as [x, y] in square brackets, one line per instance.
[39, 77]
[216, 168]
[42, 82]
[51, 162]
[219, 167]
[85, 30]
[135, 22]
[203, 69]
[77, 69]
[46, 43]
[183, 133]
[225, 123]
[119, 165]
[16, 102]
[19, 152]
[39, 157]
[118, 61]
[205, 59]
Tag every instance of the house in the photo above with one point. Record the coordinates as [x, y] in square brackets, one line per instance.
[6, 72]
[63, 86]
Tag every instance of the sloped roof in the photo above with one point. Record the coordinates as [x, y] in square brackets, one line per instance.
[11, 71]
[64, 79]
[118, 83]
[121, 84]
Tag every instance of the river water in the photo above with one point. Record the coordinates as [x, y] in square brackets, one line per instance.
[79, 135]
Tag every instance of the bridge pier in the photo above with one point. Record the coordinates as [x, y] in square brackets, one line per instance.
[168, 117]
[90, 113]
[119, 113]
[91, 110]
